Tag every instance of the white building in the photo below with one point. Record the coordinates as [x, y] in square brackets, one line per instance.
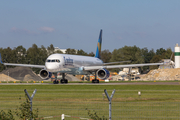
[63, 50]
[57, 48]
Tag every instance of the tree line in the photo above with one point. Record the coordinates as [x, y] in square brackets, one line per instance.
[37, 55]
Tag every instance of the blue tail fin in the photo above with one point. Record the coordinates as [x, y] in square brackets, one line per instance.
[1, 59]
[98, 51]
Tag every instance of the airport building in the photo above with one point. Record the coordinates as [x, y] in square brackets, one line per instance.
[63, 50]
[57, 48]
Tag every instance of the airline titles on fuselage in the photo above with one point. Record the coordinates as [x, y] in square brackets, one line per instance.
[68, 61]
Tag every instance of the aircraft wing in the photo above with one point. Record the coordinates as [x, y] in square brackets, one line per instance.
[115, 62]
[89, 68]
[22, 65]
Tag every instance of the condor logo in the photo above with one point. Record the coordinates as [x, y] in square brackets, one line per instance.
[68, 61]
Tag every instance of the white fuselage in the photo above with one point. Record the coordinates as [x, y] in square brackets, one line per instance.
[70, 63]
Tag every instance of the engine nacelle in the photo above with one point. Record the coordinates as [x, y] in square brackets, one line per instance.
[103, 74]
[44, 74]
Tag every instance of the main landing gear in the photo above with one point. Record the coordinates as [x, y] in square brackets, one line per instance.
[63, 80]
[95, 80]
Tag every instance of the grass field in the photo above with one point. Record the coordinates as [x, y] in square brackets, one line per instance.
[156, 102]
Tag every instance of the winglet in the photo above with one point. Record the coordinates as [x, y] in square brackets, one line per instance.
[1, 59]
[98, 51]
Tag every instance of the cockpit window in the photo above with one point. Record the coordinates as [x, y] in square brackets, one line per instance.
[48, 60]
[54, 60]
[58, 61]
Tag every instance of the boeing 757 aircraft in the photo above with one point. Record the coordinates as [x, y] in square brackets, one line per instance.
[77, 65]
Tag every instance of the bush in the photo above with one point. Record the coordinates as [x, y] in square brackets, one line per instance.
[94, 115]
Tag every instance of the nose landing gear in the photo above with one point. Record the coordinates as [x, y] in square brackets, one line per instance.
[63, 80]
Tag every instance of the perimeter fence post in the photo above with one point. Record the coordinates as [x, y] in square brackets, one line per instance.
[30, 99]
[109, 99]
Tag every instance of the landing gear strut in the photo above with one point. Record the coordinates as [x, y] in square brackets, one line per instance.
[95, 80]
[63, 80]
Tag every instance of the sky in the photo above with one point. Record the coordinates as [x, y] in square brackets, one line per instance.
[76, 24]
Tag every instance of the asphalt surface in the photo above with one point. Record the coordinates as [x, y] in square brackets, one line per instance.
[128, 83]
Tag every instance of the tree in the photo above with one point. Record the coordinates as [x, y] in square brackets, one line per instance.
[71, 51]
[147, 55]
[155, 59]
[8, 55]
[33, 57]
[105, 56]
[20, 54]
[43, 55]
[167, 54]
[125, 53]
[58, 51]
[2, 67]
[50, 49]
[91, 54]
[160, 51]
[81, 52]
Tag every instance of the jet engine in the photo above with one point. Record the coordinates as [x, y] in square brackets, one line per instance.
[44, 74]
[103, 74]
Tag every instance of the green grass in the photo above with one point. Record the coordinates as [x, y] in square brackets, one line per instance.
[156, 101]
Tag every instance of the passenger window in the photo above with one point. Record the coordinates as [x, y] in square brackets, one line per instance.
[58, 61]
[53, 61]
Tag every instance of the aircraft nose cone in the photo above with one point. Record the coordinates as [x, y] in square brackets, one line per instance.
[51, 67]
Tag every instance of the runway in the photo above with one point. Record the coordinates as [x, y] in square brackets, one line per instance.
[118, 83]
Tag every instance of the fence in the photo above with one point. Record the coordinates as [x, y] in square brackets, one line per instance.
[126, 105]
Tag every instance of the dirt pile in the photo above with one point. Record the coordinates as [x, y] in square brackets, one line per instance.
[21, 73]
[4, 77]
[162, 75]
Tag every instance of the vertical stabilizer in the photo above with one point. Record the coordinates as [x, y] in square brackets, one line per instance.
[1, 59]
[98, 51]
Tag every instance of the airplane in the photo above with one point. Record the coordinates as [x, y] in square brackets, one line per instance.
[77, 65]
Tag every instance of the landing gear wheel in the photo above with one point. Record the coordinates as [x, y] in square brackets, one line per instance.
[95, 81]
[55, 82]
[64, 81]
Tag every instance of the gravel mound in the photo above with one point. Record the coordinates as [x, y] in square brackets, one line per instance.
[162, 75]
[21, 73]
[4, 77]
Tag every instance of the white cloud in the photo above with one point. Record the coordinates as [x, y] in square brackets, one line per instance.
[47, 29]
